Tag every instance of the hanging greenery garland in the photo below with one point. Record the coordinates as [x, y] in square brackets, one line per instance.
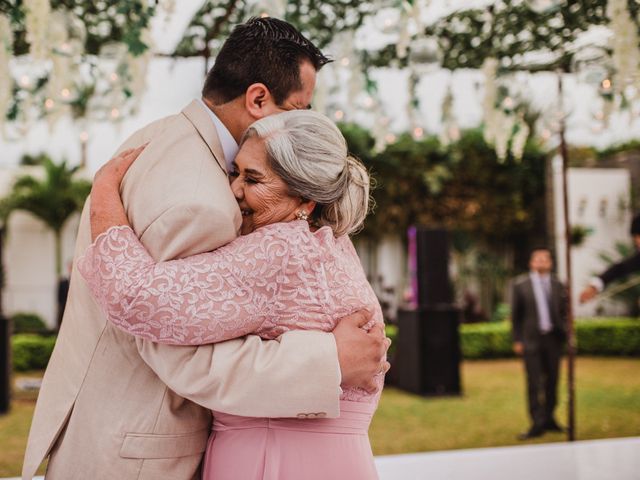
[6, 82]
[59, 68]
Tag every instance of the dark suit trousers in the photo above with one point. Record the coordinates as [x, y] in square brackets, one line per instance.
[542, 363]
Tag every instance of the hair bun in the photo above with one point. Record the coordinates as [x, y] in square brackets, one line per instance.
[309, 153]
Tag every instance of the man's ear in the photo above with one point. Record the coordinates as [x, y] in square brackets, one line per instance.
[258, 100]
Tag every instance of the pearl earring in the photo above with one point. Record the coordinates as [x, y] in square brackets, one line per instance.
[302, 215]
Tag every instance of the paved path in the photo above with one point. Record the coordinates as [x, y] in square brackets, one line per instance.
[616, 459]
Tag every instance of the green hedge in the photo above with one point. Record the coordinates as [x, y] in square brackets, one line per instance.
[31, 352]
[25, 322]
[486, 340]
[601, 336]
[613, 336]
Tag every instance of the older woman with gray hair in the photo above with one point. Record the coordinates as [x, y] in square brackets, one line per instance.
[293, 267]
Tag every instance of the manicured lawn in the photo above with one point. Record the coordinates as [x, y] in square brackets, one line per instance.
[491, 412]
[14, 428]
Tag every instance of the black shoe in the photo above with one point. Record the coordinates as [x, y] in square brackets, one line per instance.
[533, 432]
[552, 426]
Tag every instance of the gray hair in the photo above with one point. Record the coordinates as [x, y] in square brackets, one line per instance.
[309, 153]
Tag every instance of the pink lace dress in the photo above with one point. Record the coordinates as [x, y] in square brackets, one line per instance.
[281, 277]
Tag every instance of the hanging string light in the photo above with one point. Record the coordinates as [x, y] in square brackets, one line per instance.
[6, 82]
[37, 17]
[450, 131]
[626, 54]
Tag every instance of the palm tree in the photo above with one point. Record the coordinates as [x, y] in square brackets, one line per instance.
[52, 199]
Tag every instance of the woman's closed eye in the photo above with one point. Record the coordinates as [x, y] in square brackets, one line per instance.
[247, 178]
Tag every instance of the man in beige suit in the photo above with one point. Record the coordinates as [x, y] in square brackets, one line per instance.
[116, 407]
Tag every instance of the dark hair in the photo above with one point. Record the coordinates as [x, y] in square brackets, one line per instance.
[262, 50]
[540, 248]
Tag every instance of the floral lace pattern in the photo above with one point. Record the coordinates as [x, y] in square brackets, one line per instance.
[281, 277]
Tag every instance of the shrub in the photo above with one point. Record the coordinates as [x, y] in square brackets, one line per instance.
[601, 336]
[608, 336]
[24, 322]
[31, 352]
[486, 340]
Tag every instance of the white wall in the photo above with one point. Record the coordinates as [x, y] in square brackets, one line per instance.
[31, 284]
[599, 199]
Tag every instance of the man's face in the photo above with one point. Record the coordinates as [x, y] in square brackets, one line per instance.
[636, 240]
[300, 99]
[541, 262]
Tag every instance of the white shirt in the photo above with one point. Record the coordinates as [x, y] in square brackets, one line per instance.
[229, 145]
[542, 293]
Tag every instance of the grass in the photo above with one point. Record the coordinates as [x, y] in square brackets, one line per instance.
[491, 412]
[14, 428]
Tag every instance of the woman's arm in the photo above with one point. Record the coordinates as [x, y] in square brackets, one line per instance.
[203, 299]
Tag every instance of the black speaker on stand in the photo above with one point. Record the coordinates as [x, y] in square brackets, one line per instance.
[427, 360]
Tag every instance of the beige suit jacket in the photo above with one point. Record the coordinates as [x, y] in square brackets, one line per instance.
[115, 407]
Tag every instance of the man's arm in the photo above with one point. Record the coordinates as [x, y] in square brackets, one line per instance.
[621, 269]
[516, 319]
[299, 373]
[617, 271]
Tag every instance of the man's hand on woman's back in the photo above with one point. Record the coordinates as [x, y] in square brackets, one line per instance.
[362, 355]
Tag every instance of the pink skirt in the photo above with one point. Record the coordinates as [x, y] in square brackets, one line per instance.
[244, 448]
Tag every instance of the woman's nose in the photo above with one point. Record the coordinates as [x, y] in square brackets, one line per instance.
[236, 188]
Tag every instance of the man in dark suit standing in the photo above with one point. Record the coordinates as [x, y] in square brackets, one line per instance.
[617, 271]
[538, 315]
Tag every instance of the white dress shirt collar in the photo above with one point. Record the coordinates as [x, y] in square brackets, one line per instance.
[541, 285]
[229, 146]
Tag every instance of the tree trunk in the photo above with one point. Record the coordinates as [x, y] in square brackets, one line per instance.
[58, 250]
[571, 339]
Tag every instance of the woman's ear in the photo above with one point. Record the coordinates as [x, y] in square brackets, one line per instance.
[307, 205]
[258, 101]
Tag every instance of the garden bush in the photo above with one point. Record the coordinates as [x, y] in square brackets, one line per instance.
[486, 340]
[600, 336]
[609, 336]
[24, 322]
[31, 352]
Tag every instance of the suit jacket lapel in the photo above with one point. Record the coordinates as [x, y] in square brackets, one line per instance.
[200, 119]
[531, 296]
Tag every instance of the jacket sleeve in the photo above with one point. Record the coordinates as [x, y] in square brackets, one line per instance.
[621, 269]
[296, 373]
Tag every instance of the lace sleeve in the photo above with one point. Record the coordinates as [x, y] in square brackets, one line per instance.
[201, 299]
